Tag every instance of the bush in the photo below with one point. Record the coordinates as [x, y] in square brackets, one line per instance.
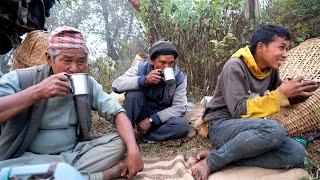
[102, 69]
[302, 17]
[206, 33]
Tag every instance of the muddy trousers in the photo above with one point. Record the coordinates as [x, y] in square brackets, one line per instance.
[252, 142]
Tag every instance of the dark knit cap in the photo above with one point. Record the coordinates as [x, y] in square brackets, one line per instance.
[163, 47]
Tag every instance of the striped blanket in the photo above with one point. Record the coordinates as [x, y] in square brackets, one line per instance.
[179, 166]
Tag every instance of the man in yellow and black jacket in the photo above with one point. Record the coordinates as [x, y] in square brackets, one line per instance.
[248, 90]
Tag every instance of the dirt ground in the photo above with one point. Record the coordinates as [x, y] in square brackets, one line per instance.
[312, 164]
[314, 149]
[174, 147]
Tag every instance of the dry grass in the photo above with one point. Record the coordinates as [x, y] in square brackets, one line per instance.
[166, 148]
[312, 163]
[192, 145]
[100, 125]
[174, 147]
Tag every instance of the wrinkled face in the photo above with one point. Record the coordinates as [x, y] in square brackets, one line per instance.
[163, 61]
[274, 53]
[70, 61]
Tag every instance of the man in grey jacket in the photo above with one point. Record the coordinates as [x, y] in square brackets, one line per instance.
[156, 107]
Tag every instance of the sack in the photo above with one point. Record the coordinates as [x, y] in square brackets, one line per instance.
[195, 117]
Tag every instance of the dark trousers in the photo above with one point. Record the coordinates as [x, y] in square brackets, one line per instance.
[138, 108]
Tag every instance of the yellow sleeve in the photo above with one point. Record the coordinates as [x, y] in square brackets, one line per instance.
[266, 105]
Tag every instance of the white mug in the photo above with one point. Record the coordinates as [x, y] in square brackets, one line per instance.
[79, 84]
[168, 74]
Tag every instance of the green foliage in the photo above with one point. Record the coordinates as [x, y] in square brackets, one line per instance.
[102, 69]
[206, 33]
[302, 17]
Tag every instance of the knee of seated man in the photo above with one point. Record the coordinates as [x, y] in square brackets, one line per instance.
[300, 155]
[276, 131]
[117, 145]
[121, 146]
[133, 95]
[182, 127]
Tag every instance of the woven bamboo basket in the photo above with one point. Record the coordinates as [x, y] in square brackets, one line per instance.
[303, 60]
[31, 51]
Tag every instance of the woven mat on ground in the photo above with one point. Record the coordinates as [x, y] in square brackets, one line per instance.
[179, 166]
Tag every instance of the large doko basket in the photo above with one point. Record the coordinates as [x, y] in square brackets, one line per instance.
[303, 60]
[32, 50]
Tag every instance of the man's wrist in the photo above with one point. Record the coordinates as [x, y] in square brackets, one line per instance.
[150, 120]
[141, 81]
[133, 150]
[36, 92]
[156, 121]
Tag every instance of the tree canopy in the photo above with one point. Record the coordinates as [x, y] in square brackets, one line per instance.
[206, 32]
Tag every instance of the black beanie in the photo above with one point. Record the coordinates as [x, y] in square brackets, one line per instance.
[163, 47]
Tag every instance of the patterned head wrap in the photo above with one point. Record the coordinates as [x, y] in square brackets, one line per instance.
[65, 37]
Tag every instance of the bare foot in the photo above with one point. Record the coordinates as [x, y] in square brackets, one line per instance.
[202, 154]
[200, 171]
[113, 172]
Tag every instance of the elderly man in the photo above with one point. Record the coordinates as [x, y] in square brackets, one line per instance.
[155, 106]
[45, 123]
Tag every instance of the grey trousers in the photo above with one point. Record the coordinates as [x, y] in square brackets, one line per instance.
[252, 142]
[90, 157]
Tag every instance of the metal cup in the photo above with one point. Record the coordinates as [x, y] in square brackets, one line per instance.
[168, 74]
[79, 84]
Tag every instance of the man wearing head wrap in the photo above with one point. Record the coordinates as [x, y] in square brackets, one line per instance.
[154, 106]
[45, 123]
